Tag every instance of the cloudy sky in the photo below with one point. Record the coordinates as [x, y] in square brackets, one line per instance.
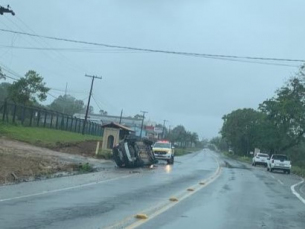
[194, 92]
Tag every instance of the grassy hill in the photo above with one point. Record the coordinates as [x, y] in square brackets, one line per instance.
[42, 136]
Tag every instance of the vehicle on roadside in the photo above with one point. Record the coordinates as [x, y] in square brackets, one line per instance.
[260, 159]
[279, 162]
[133, 152]
[164, 150]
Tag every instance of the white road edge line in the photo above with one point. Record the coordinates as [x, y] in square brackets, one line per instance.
[296, 193]
[63, 189]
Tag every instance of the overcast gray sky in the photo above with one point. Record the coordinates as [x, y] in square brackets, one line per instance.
[194, 92]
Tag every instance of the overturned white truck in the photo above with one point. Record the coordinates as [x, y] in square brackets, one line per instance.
[134, 152]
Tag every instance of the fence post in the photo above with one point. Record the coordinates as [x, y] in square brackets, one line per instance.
[67, 123]
[4, 109]
[38, 118]
[51, 123]
[75, 126]
[79, 126]
[71, 126]
[23, 114]
[88, 128]
[56, 124]
[31, 116]
[45, 118]
[14, 112]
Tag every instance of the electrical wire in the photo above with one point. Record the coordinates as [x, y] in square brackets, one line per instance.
[155, 50]
[87, 50]
[96, 102]
[36, 40]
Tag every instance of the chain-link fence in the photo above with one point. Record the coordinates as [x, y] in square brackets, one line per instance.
[40, 117]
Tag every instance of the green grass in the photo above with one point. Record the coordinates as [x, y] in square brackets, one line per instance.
[298, 170]
[105, 154]
[42, 136]
[183, 151]
[239, 158]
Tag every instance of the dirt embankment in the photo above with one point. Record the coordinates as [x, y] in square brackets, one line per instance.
[23, 162]
[86, 148]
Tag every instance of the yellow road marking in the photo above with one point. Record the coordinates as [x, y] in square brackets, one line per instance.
[141, 216]
[131, 222]
[173, 199]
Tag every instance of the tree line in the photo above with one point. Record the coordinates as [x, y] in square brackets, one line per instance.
[31, 90]
[277, 126]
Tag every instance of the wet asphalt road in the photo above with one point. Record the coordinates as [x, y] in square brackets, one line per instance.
[241, 197]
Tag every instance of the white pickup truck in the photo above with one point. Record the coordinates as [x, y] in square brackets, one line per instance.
[279, 162]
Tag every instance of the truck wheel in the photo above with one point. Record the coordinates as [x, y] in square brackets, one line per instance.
[170, 161]
[288, 171]
[271, 170]
[254, 164]
[267, 168]
[173, 160]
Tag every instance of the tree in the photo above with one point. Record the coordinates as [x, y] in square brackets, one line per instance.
[67, 104]
[138, 116]
[178, 135]
[194, 138]
[4, 91]
[240, 129]
[285, 114]
[103, 112]
[2, 76]
[90, 111]
[28, 90]
[220, 143]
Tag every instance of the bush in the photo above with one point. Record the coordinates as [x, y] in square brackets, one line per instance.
[105, 154]
[85, 168]
[298, 171]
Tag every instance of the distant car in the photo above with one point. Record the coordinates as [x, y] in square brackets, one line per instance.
[164, 150]
[260, 159]
[279, 162]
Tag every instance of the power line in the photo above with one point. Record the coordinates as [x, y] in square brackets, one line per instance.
[96, 102]
[54, 56]
[87, 50]
[156, 50]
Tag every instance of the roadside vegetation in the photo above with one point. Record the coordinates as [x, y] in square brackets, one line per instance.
[184, 151]
[41, 136]
[245, 159]
[276, 127]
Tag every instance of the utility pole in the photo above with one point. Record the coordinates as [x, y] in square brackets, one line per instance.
[163, 132]
[88, 105]
[144, 112]
[121, 116]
